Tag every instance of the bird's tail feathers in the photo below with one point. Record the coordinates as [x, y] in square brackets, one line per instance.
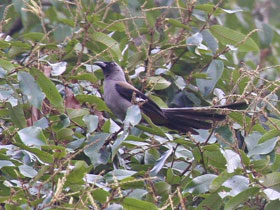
[185, 119]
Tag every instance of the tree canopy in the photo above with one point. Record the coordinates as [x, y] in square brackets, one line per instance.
[62, 148]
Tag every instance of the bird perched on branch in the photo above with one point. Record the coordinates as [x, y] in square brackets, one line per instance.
[119, 96]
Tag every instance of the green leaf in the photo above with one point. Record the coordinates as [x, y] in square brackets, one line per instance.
[98, 102]
[48, 88]
[153, 129]
[30, 88]
[112, 44]
[162, 188]
[11, 207]
[59, 151]
[77, 113]
[200, 184]
[133, 115]
[4, 44]
[117, 26]
[85, 76]
[272, 205]
[3, 73]
[171, 178]
[158, 101]
[17, 115]
[218, 181]
[7, 65]
[269, 135]
[78, 173]
[118, 174]
[42, 123]
[110, 126]
[4, 163]
[96, 142]
[266, 34]
[151, 155]
[132, 183]
[177, 23]
[272, 180]
[62, 122]
[276, 164]
[196, 39]
[241, 198]
[43, 156]
[211, 42]
[243, 184]
[233, 37]
[68, 22]
[34, 36]
[160, 162]
[208, 8]
[100, 195]
[135, 204]
[212, 154]
[212, 201]
[233, 160]
[32, 136]
[263, 148]
[158, 82]
[65, 134]
[117, 143]
[239, 118]
[214, 72]
[58, 68]
[91, 121]
[27, 171]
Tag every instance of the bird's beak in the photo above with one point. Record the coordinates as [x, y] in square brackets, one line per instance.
[101, 64]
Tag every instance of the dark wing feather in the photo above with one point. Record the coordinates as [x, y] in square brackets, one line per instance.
[150, 108]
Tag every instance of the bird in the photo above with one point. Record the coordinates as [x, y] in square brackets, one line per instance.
[119, 96]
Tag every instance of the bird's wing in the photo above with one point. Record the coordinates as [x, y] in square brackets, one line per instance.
[149, 107]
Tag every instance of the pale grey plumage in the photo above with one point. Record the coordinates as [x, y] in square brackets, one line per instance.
[118, 95]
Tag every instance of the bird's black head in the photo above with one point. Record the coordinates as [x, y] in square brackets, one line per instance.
[111, 70]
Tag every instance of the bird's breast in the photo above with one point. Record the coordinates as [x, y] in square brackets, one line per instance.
[116, 103]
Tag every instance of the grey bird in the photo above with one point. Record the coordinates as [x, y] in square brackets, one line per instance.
[118, 95]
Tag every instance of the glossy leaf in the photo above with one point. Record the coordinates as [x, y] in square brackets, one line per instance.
[240, 198]
[48, 88]
[77, 173]
[91, 121]
[272, 180]
[159, 83]
[118, 143]
[133, 115]
[98, 102]
[232, 37]
[160, 163]
[112, 44]
[119, 174]
[32, 136]
[27, 171]
[58, 68]
[212, 201]
[96, 142]
[135, 204]
[263, 148]
[200, 184]
[30, 88]
[17, 115]
[214, 72]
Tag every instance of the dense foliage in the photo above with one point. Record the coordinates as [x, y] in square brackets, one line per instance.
[61, 147]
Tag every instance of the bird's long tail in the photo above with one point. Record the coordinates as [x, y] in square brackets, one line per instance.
[188, 119]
